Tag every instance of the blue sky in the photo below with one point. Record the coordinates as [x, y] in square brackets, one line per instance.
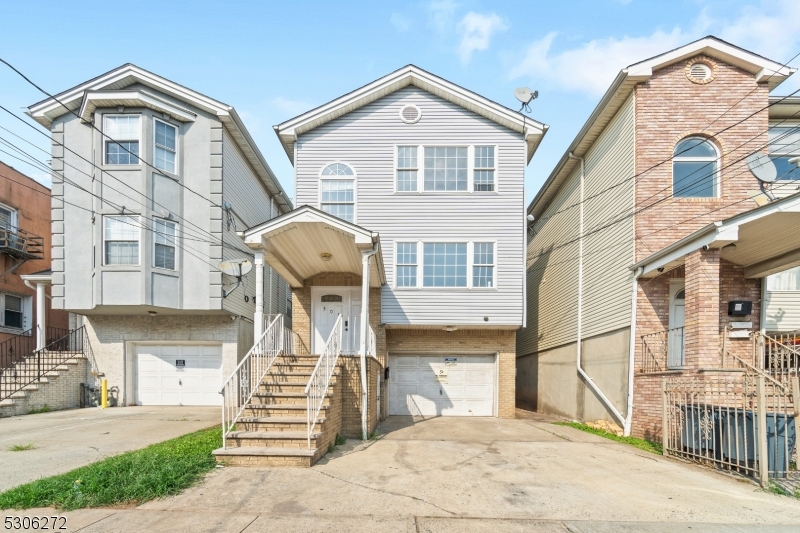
[274, 60]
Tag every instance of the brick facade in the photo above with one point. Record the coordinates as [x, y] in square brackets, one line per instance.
[61, 389]
[503, 342]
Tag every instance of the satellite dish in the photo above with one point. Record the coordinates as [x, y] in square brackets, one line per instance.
[762, 167]
[236, 267]
[524, 95]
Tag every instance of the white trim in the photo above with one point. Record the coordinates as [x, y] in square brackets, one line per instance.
[175, 171]
[495, 186]
[14, 217]
[174, 244]
[138, 238]
[421, 182]
[716, 176]
[418, 168]
[95, 99]
[106, 138]
[421, 264]
[26, 310]
[353, 177]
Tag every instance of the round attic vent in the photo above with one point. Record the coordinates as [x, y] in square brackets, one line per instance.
[699, 72]
[410, 114]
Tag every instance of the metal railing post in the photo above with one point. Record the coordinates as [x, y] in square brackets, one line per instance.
[796, 396]
[664, 417]
[763, 452]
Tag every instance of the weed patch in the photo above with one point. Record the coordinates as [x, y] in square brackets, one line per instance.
[43, 409]
[22, 447]
[642, 444]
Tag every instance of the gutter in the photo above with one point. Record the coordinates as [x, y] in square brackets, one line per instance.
[579, 347]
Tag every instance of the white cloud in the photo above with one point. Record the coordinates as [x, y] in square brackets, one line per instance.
[590, 67]
[441, 15]
[476, 32]
[402, 23]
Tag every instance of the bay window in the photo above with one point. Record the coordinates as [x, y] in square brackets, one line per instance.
[164, 244]
[121, 240]
[121, 139]
[165, 146]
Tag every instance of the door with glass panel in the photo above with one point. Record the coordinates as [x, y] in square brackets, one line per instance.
[677, 317]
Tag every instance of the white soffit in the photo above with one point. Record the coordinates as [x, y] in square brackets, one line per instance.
[765, 70]
[411, 75]
[94, 99]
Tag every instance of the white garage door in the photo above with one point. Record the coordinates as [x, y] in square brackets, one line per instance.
[425, 385]
[178, 375]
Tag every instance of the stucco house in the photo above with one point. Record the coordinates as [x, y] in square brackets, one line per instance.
[152, 181]
[652, 239]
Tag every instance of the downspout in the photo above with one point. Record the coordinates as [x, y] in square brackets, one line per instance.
[579, 348]
[365, 257]
[626, 427]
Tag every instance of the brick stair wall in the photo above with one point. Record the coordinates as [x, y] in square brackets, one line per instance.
[60, 389]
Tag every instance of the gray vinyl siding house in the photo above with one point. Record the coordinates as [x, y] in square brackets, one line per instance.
[366, 140]
[161, 332]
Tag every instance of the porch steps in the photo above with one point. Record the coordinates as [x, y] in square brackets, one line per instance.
[272, 430]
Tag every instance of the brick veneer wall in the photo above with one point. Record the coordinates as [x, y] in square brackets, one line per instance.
[301, 307]
[466, 340]
[734, 286]
[109, 336]
[351, 395]
[61, 391]
[701, 333]
[670, 107]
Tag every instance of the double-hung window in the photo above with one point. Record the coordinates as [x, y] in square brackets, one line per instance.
[121, 139]
[337, 191]
[166, 145]
[12, 311]
[407, 168]
[784, 145]
[444, 264]
[121, 240]
[406, 264]
[164, 244]
[483, 264]
[446, 168]
[484, 170]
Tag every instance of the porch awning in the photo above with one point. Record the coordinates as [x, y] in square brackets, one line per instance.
[764, 241]
[307, 241]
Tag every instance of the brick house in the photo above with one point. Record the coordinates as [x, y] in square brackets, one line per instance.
[650, 226]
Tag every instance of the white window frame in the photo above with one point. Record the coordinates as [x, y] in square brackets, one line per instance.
[25, 309]
[139, 240]
[354, 178]
[783, 153]
[470, 168]
[397, 264]
[421, 264]
[769, 281]
[156, 146]
[682, 159]
[475, 168]
[14, 218]
[107, 139]
[174, 243]
[493, 264]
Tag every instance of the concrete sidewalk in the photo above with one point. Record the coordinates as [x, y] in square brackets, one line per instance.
[65, 440]
[464, 475]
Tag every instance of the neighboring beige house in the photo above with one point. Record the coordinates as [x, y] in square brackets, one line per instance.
[626, 241]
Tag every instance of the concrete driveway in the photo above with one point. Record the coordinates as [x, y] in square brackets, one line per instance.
[65, 440]
[455, 475]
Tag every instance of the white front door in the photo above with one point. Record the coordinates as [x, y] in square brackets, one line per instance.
[677, 320]
[327, 304]
[173, 374]
[441, 385]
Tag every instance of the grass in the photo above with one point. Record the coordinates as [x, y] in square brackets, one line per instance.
[43, 409]
[642, 444]
[160, 470]
[22, 447]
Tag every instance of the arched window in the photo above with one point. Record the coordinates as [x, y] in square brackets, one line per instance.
[680, 295]
[337, 191]
[695, 169]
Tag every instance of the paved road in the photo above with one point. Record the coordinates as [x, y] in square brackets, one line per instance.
[68, 439]
[465, 475]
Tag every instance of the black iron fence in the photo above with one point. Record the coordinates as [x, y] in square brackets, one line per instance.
[23, 345]
[30, 369]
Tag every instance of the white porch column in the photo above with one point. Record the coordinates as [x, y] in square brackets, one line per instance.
[365, 257]
[258, 317]
[41, 317]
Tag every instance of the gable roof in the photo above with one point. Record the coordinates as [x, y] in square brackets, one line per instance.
[410, 75]
[110, 89]
[764, 70]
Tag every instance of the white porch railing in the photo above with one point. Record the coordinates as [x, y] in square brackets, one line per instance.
[243, 382]
[371, 346]
[321, 376]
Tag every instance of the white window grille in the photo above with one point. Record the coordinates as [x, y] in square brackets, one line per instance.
[483, 265]
[406, 264]
[166, 146]
[446, 168]
[164, 243]
[444, 264]
[337, 196]
[407, 168]
[121, 236]
[121, 139]
[484, 173]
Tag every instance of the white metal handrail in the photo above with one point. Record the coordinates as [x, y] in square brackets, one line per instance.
[321, 376]
[244, 381]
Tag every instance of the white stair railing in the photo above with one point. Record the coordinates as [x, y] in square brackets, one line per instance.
[321, 377]
[244, 381]
[371, 345]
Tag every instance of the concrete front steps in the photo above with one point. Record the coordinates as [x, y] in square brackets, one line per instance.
[272, 430]
[58, 388]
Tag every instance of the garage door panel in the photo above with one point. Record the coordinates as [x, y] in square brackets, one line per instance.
[160, 381]
[466, 385]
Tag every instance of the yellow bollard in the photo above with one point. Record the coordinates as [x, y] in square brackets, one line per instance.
[104, 393]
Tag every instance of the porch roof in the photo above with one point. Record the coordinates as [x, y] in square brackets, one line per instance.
[307, 241]
[766, 239]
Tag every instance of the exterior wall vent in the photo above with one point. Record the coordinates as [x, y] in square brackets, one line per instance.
[410, 114]
[700, 71]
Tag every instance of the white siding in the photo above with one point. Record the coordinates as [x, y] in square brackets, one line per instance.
[783, 310]
[607, 246]
[366, 139]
